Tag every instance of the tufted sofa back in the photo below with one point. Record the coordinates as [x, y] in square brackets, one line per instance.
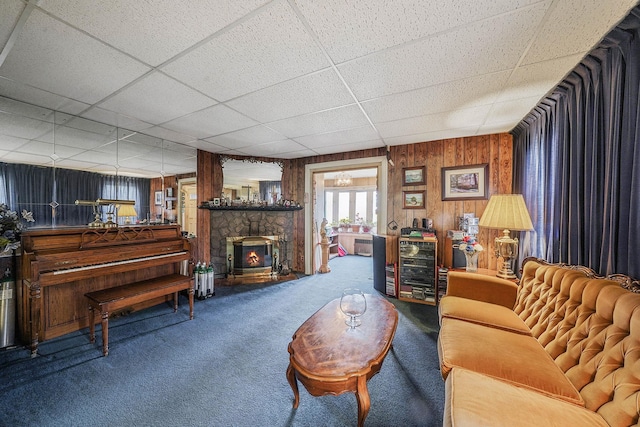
[591, 327]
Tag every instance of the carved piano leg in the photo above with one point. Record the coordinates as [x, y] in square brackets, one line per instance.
[105, 333]
[34, 295]
[191, 292]
[92, 325]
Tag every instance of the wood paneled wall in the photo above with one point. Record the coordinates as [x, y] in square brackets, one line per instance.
[496, 150]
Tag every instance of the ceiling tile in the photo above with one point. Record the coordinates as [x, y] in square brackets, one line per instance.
[164, 133]
[352, 29]
[325, 121]
[212, 121]
[465, 93]
[148, 31]
[495, 128]
[450, 120]
[584, 22]
[156, 99]
[306, 94]
[513, 110]
[115, 119]
[12, 142]
[202, 144]
[245, 137]
[423, 64]
[432, 136]
[272, 149]
[48, 149]
[356, 135]
[537, 79]
[11, 10]
[87, 72]
[35, 96]
[341, 148]
[31, 158]
[25, 127]
[269, 48]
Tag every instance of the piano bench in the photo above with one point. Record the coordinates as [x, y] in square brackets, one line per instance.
[108, 300]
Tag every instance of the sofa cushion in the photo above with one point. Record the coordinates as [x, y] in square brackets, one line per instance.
[481, 287]
[483, 313]
[515, 358]
[473, 399]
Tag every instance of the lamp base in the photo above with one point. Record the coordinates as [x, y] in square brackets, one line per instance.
[506, 272]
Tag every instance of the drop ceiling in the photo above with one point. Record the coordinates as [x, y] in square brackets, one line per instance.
[283, 79]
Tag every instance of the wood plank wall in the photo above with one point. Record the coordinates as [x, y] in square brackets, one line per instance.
[496, 150]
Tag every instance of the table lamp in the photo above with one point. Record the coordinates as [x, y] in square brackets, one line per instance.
[506, 212]
[127, 211]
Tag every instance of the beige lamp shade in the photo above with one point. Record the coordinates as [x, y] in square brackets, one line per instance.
[127, 211]
[506, 211]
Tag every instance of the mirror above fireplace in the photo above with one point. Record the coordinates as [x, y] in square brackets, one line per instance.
[251, 179]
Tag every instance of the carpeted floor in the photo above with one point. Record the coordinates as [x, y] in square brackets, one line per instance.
[224, 368]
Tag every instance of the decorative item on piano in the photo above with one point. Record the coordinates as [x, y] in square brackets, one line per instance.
[10, 227]
[112, 216]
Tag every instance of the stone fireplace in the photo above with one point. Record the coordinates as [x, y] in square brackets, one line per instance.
[229, 226]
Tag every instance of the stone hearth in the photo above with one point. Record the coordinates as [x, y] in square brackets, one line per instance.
[238, 223]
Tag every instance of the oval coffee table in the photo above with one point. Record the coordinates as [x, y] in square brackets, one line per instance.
[329, 357]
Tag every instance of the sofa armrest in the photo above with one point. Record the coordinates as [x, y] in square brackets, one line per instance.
[480, 287]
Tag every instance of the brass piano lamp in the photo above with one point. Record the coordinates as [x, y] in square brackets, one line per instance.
[113, 204]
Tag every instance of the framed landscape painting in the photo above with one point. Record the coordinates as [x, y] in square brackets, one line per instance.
[465, 182]
[413, 176]
[413, 199]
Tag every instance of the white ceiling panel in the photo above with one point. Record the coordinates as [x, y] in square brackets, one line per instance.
[435, 122]
[211, 121]
[364, 133]
[268, 48]
[245, 137]
[16, 90]
[502, 112]
[536, 79]
[321, 122]
[352, 146]
[353, 29]
[156, 99]
[423, 64]
[469, 92]
[71, 63]
[152, 31]
[272, 149]
[11, 10]
[575, 26]
[164, 133]
[313, 92]
[279, 78]
[115, 119]
[48, 149]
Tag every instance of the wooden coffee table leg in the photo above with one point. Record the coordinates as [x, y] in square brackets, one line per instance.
[291, 376]
[364, 401]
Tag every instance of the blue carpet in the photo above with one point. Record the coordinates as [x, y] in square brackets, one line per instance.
[224, 368]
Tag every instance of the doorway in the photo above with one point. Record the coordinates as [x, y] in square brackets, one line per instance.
[369, 203]
[188, 205]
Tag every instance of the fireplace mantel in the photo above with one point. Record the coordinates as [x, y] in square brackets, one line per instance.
[251, 208]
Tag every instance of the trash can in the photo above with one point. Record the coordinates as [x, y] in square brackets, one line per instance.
[7, 311]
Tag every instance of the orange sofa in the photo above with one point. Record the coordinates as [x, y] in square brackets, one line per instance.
[562, 348]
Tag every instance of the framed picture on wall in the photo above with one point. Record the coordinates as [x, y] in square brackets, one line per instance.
[413, 175]
[465, 182]
[413, 199]
[158, 198]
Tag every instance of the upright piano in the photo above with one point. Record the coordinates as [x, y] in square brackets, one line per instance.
[60, 265]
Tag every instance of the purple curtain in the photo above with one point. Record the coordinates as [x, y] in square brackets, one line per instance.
[577, 160]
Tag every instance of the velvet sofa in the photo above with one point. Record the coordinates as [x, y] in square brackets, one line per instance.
[562, 348]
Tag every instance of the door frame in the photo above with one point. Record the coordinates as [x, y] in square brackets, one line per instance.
[379, 162]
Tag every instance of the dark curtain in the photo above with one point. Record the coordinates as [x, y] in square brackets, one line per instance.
[50, 193]
[267, 189]
[577, 160]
